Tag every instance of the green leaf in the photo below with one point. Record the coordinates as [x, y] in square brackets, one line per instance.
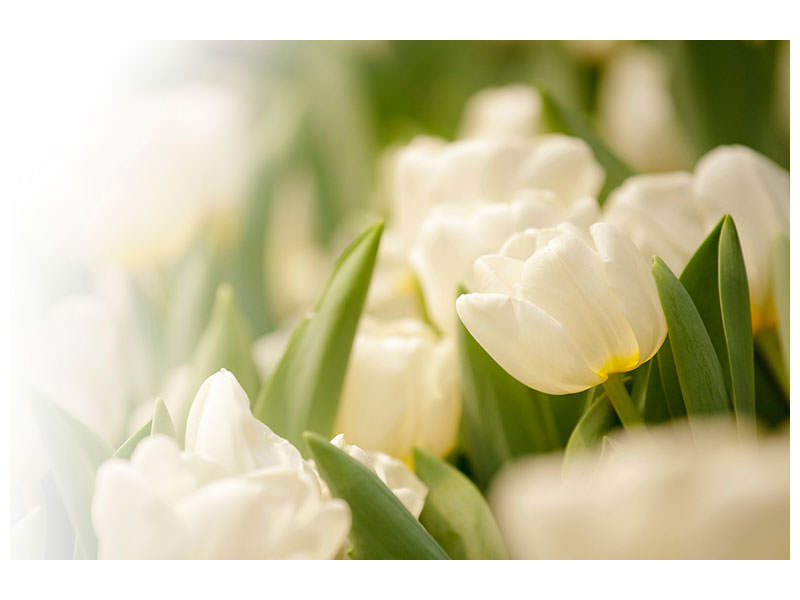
[501, 418]
[75, 453]
[734, 299]
[303, 392]
[161, 421]
[772, 406]
[126, 449]
[699, 372]
[724, 93]
[455, 512]
[595, 422]
[191, 296]
[382, 527]
[700, 277]
[655, 405]
[226, 344]
[670, 385]
[780, 262]
[641, 381]
[562, 120]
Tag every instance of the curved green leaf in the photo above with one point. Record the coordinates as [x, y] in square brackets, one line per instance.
[161, 421]
[734, 300]
[126, 449]
[303, 392]
[382, 527]
[455, 512]
[599, 418]
[699, 372]
[226, 344]
[501, 418]
[562, 120]
[670, 385]
[75, 453]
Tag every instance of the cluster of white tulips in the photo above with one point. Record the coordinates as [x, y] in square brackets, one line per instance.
[528, 359]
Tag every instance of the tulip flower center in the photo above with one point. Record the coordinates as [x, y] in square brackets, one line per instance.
[620, 364]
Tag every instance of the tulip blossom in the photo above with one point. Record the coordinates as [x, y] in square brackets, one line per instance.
[509, 112]
[401, 390]
[561, 310]
[237, 491]
[392, 472]
[453, 236]
[755, 192]
[662, 216]
[637, 112]
[676, 493]
[429, 172]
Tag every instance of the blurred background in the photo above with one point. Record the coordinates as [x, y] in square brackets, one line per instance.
[182, 189]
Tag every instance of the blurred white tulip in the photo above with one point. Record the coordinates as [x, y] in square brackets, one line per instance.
[509, 112]
[429, 172]
[754, 190]
[237, 491]
[662, 216]
[392, 472]
[171, 163]
[637, 113]
[401, 390]
[561, 310]
[453, 236]
[673, 493]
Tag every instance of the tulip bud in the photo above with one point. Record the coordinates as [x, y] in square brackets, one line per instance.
[754, 190]
[238, 491]
[401, 390]
[675, 493]
[561, 310]
[392, 472]
[510, 112]
[453, 236]
[662, 216]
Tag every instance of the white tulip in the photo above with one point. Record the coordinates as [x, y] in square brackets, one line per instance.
[401, 390]
[429, 172]
[237, 491]
[393, 473]
[755, 192]
[662, 216]
[637, 113]
[561, 310]
[173, 162]
[453, 236]
[510, 112]
[676, 493]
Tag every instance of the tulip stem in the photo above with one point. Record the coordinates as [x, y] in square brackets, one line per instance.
[622, 402]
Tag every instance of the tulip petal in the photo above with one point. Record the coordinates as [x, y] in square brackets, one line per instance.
[632, 283]
[566, 280]
[549, 361]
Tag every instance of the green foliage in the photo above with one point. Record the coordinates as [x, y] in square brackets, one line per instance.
[595, 422]
[455, 512]
[75, 453]
[699, 372]
[501, 418]
[382, 527]
[161, 422]
[303, 392]
[734, 300]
